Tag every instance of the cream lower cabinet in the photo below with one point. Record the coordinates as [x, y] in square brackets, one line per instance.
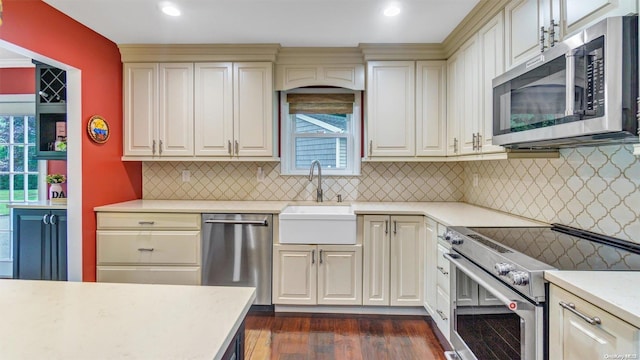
[317, 274]
[393, 260]
[437, 270]
[572, 337]
[158, 248]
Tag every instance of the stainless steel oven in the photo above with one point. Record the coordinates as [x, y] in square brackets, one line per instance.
[498, 323]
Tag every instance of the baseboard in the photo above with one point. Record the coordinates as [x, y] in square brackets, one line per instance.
[369, 310]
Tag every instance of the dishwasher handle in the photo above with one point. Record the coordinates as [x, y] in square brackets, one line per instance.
[238, 222]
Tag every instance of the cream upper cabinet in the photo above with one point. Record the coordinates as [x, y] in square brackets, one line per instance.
[376, 269]
[158, 109]
[522, 22]
[393, 271]
[573, 334]
[431, 102]
[491, 41]
[213, 109]
[253, 109]
[140, 108]
[454, 98]
[391, 108]
[577, 14]
[317, 274]
[407, 261]
[175, 128]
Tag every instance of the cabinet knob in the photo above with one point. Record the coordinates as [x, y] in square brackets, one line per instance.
[45, 219]
[52, 219]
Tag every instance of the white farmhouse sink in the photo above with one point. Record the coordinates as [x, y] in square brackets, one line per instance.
[318, 224]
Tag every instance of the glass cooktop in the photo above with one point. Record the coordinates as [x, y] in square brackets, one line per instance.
[580, 251]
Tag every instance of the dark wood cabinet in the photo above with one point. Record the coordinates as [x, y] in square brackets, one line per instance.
[235, 351]
[51, 112]
[40, 244]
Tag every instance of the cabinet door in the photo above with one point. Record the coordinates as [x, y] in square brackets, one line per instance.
[213, 109]
[58, 221]
[375, 286]
[430, 108]
[340, 275]
[140, 109]
[407, 250]
[294, 274]
[175, 137]
[572, 338]
[523, 19]
[31, 245]
[391, 105]
[253, 109]
[454, 102]
[468, 120]
[577, 14]
[466, 290]
[491, 40]
[430, 265]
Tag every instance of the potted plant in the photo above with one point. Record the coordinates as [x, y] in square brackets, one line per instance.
[56, 195]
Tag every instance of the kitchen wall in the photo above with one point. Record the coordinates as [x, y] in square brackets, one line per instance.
[237, 181]
[593, 188]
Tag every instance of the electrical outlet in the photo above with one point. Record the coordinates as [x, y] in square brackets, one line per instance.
[186, 175]
[475, 180]
[260, 174]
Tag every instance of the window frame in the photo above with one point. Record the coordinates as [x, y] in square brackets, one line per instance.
[288, 135]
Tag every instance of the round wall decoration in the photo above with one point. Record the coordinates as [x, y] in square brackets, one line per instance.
[98, 129]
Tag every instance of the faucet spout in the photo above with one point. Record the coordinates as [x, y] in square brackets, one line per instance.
[319, 189]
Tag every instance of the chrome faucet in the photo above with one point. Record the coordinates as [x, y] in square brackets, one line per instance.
[319, 190]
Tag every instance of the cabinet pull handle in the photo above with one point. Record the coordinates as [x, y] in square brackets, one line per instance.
[145, 249]
[479, 142]
[313, 256]
[237, 147]
[441, 315]
[442, 270]
[552, 33]
[45, 219]
[395, 226]
[455, 145]
[474, 142]
[386, 226]
[229, 147]
[572, 307]
[153, 148]
[160, 147]
[52, 219]
[370, 147]
[542, 36]
[320, 256]
[146, 222]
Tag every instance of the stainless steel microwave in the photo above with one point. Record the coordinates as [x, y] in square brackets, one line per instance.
[583, 91]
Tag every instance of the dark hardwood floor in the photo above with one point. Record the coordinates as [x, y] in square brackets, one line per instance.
[352, 337]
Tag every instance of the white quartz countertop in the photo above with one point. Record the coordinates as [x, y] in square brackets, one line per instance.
[447, 213]
[73, 320]
[614, 291]
[43, 204]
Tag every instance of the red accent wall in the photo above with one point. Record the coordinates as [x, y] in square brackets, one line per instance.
[17, 81]
[34, 25]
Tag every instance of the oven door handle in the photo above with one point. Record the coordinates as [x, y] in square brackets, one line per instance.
[472, 273]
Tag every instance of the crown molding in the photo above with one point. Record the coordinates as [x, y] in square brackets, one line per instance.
[197, 52]
[402, 51]
[319, 55]
[472, 23]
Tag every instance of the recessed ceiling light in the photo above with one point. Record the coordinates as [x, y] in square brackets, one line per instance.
[169, 9]
[391, 10]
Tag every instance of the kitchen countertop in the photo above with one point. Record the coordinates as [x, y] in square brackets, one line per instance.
[42, 204]
[613, 291]
[75, 320]
[447, 213]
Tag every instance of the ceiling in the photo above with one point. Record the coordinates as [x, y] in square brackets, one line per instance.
[286, 22]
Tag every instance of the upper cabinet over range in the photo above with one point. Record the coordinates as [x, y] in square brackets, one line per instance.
[531, 26]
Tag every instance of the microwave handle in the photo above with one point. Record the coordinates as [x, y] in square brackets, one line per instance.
[571, 82]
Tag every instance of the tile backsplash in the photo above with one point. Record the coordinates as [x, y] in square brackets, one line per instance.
[592, 188]
[237, 181]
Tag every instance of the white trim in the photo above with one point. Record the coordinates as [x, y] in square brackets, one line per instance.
[16, 63]
[18, 104]
[74, 158]
[353, 135]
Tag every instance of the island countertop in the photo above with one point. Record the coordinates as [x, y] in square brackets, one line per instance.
[74, 320]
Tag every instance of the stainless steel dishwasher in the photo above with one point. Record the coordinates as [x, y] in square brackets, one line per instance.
[236, 251]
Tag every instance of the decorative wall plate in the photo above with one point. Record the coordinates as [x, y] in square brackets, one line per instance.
[98, 129]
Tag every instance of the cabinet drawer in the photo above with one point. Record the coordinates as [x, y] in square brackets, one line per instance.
[149, 275]
[148, 247]
[151, 221]
[443, 311]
